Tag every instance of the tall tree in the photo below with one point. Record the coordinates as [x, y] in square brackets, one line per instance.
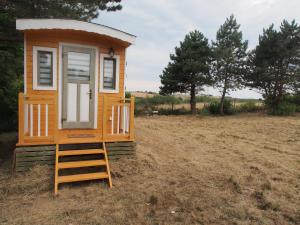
[188, 70]
[275, 63]
[11, 41]
[229, 58]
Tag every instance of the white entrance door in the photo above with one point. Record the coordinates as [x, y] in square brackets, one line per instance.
[78, 87]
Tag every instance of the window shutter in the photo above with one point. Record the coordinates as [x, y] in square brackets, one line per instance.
[109, 81]
[45, 72]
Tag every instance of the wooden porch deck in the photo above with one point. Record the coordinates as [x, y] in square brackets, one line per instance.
[38, 122]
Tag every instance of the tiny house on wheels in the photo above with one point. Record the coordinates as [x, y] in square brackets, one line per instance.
[73, 113]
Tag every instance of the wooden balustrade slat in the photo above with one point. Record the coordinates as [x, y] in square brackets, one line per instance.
[21, 118]
[127, 119]
[124, 118]
[131, 126]
[39, 120]
[112, 119]
[118, 124]
[31, 120]
[26, 114]
[46, 120]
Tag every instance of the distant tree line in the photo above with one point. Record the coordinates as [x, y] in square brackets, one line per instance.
[11, 42]
[272, 68]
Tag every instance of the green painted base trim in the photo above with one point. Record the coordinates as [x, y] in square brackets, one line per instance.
[28, 156]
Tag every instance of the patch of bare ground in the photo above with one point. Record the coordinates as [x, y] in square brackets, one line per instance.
[187, 170]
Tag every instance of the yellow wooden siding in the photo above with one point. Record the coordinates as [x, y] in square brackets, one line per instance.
[52, 39]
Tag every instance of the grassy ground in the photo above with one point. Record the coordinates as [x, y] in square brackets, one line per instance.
[188, 170]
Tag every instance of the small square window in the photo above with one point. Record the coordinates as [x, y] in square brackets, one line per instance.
[45, 68]
[109, 72]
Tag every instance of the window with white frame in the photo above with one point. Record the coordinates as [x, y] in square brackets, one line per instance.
[109, 73]
[44, 68]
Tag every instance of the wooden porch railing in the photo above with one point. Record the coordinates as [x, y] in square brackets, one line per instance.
[36, 116]
[118, 118]
[38, 119]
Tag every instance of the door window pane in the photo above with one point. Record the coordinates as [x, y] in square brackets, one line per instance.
[45, 72]
[79, 66]
[109, 78]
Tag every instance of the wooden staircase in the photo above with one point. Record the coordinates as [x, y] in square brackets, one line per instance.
[60, 165]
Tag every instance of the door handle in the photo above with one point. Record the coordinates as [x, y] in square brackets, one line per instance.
[90, 93]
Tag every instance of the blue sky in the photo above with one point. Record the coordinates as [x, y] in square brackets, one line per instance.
[161, 24]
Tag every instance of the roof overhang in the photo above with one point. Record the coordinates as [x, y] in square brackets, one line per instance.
[65, 24]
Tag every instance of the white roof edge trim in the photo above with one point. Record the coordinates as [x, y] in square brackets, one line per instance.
[37, 24]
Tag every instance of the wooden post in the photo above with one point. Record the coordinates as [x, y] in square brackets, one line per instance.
[55, 126]
[131, 125]
[56, 170]
[21, 118]
[104, 121]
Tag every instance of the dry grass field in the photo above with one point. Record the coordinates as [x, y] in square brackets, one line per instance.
[188, 170]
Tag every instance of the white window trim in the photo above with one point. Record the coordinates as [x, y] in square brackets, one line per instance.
[117, 58]
[35, 65]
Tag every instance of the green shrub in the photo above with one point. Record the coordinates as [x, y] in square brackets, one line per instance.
[205, 111]
[127, 94]
[11, 82]
[249, 106]
[284, 109]
[214, 107]
[139, 111]
[295, 99]
[180, 111]
[142, 106]
[163, 99]
[200, 98]
[145, 106]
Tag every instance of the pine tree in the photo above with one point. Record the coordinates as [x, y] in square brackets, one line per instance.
[275, 63]
[188, 70]
[229, 58]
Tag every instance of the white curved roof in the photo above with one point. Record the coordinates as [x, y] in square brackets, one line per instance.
[37, 24]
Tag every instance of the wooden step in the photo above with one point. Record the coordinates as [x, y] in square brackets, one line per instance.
[82, 177]
[80, 152]
[78, 164]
